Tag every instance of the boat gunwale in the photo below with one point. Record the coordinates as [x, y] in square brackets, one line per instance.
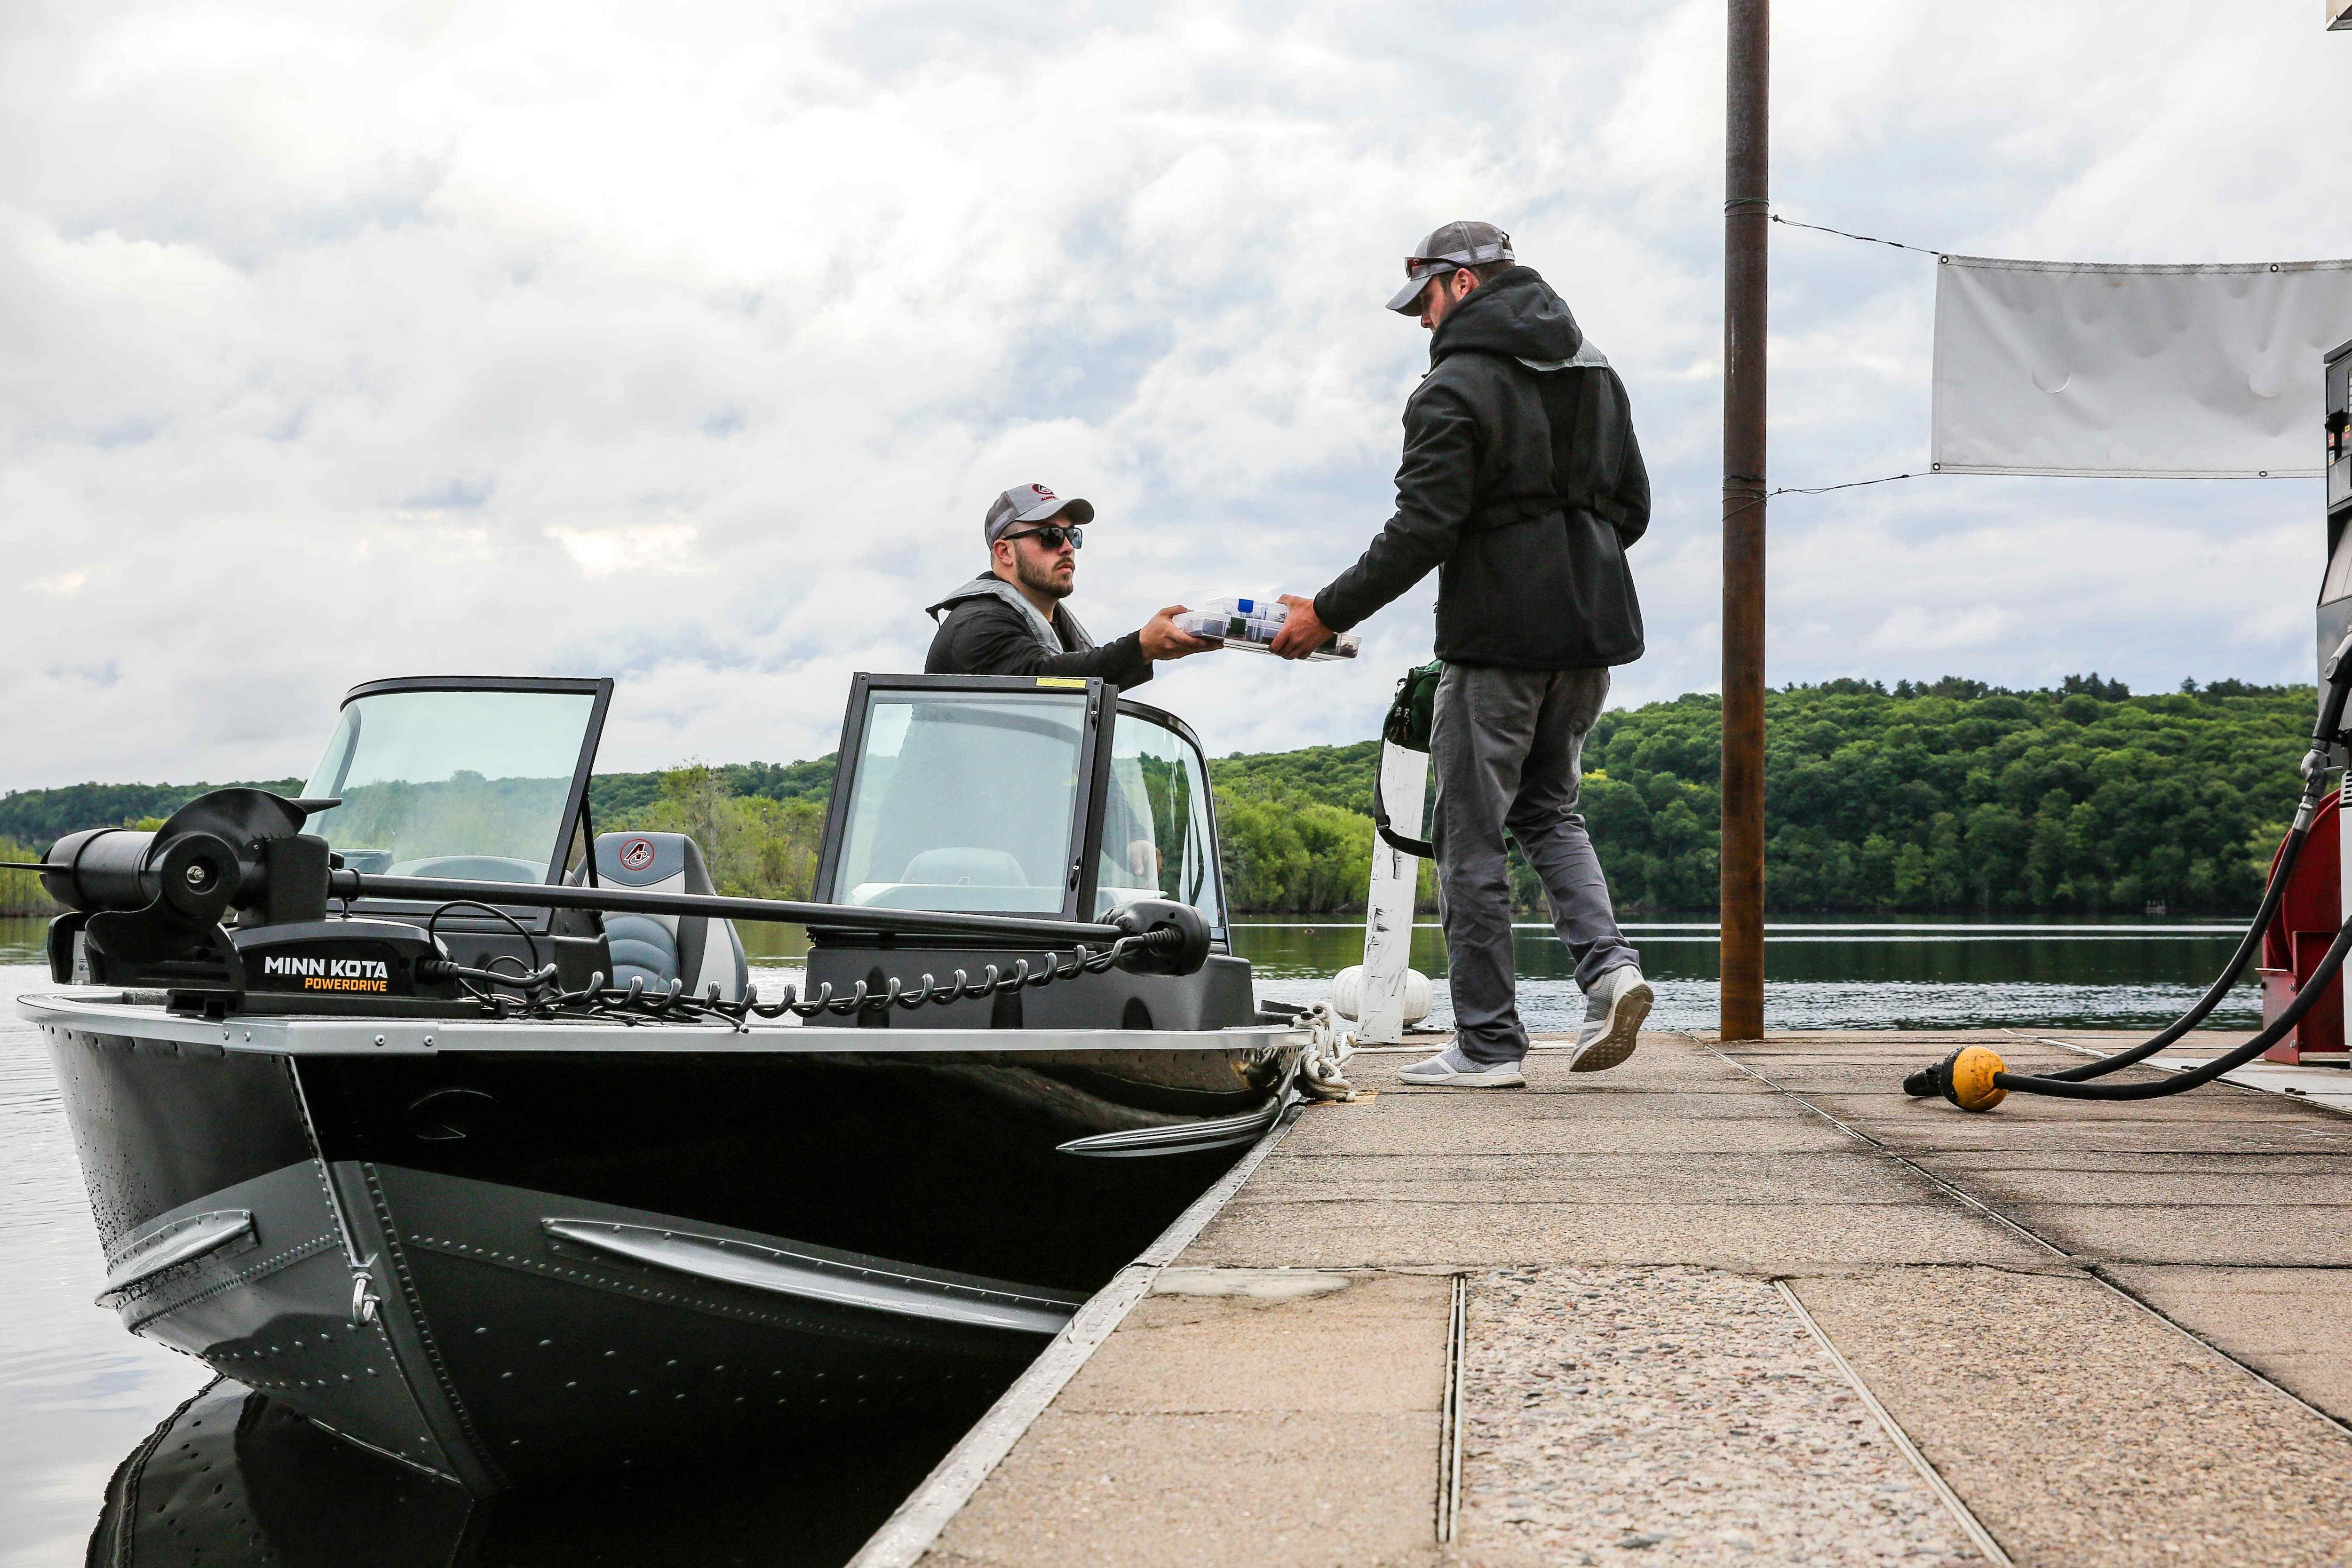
[282, 1035]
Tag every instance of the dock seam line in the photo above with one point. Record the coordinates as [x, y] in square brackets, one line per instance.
[2091, 1267]
[916, 1522]
[2098, 1271]
[2298, 1098]
[1921, 1171]
[1449, 1441]
[1971, 1526]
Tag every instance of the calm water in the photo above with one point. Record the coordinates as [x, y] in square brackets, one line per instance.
[1825, 973]
[78, 1394]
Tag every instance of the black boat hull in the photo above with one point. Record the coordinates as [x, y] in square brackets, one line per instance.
[500, 1264]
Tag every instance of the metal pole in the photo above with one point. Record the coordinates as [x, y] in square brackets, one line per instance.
[1746, 219]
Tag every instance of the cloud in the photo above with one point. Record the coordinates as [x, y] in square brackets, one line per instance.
[689, 346]
[650, 549]
[1912, 629]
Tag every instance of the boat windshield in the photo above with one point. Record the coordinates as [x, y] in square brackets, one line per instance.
[465, 784]
[1155, 840]
[963, 800]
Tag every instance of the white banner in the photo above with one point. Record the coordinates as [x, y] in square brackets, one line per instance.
[2182, 373]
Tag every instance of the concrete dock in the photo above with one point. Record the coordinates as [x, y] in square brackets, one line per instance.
[1741, 1304]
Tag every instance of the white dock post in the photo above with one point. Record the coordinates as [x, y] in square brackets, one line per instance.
[1388, 912]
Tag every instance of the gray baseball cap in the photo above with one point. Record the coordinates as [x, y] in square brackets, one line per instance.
[1031, 503]
[1457, 245]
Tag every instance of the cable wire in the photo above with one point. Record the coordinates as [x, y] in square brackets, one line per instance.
[1866, 239]
[2180, 1082]
[1812, 490]
[2314, 789]
[598, 998]
[2074, 1084]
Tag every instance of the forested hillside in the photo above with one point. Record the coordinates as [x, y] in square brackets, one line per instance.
[1954, 796]
[42, 816]
[1950, 795]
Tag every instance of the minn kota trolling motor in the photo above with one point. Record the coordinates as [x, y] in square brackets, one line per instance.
[147, 910]
[1975, 1079]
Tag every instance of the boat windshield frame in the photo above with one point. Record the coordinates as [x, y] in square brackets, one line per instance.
[1094, 751]
[1220, 930]
[575, 802]
[1097, 745]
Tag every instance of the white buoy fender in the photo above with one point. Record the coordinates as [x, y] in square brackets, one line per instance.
[1347, 994]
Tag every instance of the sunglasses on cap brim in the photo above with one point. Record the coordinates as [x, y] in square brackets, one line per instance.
[1418, 271]
[1051, 535]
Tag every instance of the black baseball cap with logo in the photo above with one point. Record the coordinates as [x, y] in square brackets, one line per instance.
[1455, 245]
[1031, 503]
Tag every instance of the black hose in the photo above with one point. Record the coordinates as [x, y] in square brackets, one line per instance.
[2073, 1083]
[2272, 896]
[2323, 736]
[2068, 1088]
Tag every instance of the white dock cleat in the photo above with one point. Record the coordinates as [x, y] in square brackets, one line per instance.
[1449, 1069]
[1612, 1020]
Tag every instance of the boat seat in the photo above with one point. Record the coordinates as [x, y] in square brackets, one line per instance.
[702, 950]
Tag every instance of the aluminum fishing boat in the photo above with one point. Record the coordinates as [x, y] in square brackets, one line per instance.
[457, 1127]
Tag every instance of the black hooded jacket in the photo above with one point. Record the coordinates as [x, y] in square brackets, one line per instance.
[1521, 484]
[983, 632]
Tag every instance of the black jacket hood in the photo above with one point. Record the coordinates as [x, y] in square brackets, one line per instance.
[1514, 313]
[1521, 486]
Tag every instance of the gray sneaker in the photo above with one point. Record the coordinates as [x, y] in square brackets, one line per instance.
[1451, 1070]
[1612, 1020]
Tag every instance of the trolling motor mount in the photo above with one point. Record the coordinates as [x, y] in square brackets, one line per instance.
[148, 907]
[1182, 950]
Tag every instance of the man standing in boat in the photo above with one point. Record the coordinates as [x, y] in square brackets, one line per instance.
[1011, 620]
[1522, 486]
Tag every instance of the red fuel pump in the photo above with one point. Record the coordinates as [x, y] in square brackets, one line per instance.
[2294, 941]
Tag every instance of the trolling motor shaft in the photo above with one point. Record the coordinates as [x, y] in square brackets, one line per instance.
[344, 885]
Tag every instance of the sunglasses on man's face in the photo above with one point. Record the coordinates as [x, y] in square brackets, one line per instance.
[1051, 535]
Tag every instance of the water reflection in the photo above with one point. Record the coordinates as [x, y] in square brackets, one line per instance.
[1830, 974]
[235, 1482]
[231, 1479]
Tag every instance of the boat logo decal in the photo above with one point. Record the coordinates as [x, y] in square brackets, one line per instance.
[329, 974]
[636, 854]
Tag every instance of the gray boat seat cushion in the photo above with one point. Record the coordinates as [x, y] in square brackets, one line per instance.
[658, 948]
[961, 867]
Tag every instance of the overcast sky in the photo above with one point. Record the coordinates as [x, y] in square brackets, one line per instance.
[688, 344]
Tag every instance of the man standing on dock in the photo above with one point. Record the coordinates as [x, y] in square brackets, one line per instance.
[1522, 486]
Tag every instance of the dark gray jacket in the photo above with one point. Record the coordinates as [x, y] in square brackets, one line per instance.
[1521, 484]
[987, 628]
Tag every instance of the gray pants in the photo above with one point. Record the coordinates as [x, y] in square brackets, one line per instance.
[1507, 745]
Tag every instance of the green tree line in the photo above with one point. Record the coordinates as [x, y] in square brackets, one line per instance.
[1951, 795]
[1946, 796]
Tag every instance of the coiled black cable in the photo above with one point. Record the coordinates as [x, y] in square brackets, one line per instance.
[2074, 1084]
[542, 999]
[2063, 1087]
[2247, 946]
